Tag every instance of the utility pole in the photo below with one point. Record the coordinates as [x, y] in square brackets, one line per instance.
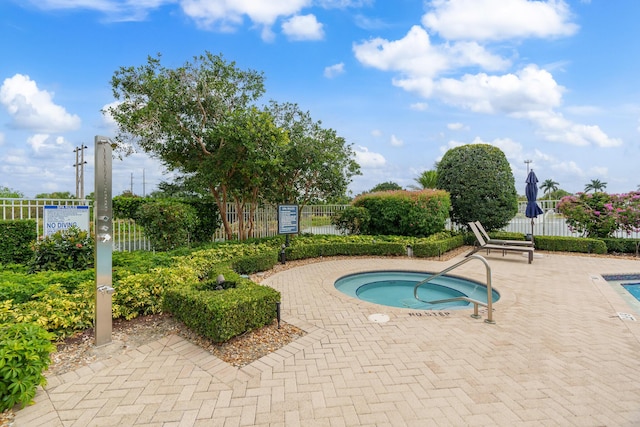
[528, 162]
[144, 194]
[79, 165]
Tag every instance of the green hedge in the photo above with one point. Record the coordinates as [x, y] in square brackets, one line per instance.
[16, 237]
[405, 213]
[221, 315]
[337, 249]
[623, 246]
[570, 244]
[254, 263]
[437, 247]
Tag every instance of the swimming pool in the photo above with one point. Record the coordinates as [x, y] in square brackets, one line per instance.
[629, 282]
[395, 289]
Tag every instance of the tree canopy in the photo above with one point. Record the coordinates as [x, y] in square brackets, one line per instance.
[9, 193]
[202, 120]
[481, 184]
[385, 186]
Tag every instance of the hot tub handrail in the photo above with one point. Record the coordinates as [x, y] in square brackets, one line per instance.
[475, 303]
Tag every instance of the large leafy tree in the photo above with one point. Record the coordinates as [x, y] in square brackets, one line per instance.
[385, 186]
[480, 181]
[200, 120]
[317, 165]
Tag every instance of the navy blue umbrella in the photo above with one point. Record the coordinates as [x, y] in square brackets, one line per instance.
[531, 191]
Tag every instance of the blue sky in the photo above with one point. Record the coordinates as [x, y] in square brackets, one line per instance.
[554, 82]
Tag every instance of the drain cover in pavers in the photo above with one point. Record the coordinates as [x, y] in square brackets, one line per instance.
[626, 316]
[379, 318]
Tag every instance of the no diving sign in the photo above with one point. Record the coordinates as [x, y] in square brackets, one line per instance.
[58, 218]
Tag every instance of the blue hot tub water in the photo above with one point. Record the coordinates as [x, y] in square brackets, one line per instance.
[395, 289]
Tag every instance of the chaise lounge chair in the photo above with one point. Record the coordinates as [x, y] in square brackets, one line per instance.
[499, 247]
[500, 241]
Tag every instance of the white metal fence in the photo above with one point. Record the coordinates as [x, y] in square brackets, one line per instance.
[127, 235]
[314, 219]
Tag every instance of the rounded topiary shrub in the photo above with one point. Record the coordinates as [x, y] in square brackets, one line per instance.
[480, 182]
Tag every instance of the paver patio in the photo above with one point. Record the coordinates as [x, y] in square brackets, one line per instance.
[559, 354]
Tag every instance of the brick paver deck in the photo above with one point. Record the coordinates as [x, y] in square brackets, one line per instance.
[559, 354]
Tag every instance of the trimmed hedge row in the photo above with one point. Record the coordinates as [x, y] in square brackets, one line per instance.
[16, 237]
[571, 244]
[337, 249]
[438, 247]
[254, 263]
[624, 246]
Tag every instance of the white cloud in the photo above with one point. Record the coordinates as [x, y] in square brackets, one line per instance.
[528, 89]
[303, 27]
[113, 9]
[455, 126]
[227, 15]
[419, 106]
[367, 159]
[334, 70]
[499, 19]
[376, 133]
[33, 109]
[419, 61]
[396, 142]
[584, 110]
[107, 118]
[554, 127]
[45, 145]
[568, 168]
[601, 171]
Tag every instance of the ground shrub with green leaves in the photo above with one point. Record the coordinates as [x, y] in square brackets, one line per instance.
[24, 356]
[70, 249]
[403, 213]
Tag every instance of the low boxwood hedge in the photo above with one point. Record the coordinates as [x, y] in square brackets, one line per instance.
[254, 263]
[570, 244]
[348, 249]
[425, 249]
[222, 314]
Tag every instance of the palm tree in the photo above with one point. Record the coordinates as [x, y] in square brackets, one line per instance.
[549, 186]
[595, 185]
[427, 179]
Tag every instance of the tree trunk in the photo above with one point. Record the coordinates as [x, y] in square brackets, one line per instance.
[221, 200]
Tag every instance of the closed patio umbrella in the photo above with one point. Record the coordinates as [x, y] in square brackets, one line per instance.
[531, 191]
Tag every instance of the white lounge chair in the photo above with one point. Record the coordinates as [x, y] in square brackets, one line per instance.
[499, 247]
[501, 241]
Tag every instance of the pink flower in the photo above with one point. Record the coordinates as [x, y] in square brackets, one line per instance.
[78, 245]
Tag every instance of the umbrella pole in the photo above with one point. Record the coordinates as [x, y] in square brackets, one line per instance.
[532, 230]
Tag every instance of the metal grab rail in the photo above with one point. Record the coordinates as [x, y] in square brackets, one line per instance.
[475, 303]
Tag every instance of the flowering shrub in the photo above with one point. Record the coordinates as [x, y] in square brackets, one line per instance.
[601, 214]
[70, 249]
